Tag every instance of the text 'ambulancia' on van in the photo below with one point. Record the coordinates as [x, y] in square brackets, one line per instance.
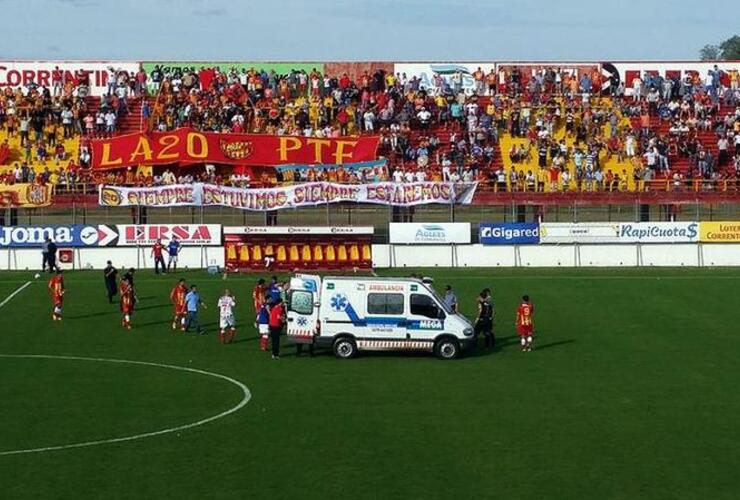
[351, 314]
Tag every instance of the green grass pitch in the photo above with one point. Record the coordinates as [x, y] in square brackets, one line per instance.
[631, 392]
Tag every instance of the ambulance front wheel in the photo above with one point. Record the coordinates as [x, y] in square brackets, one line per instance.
[447, 348]
[345, 348]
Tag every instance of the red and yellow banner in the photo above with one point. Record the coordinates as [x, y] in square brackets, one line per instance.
[24, 195]
[191, 146]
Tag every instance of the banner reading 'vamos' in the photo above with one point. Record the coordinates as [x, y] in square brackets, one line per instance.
[299, 195]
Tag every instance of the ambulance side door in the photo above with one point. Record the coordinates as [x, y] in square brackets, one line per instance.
[385, 319]
[426, 320]
[303, 310]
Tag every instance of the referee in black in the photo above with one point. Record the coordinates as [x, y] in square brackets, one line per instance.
[110, 275]
[484, 319]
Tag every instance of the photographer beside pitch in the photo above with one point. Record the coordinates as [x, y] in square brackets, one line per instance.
[49, 255]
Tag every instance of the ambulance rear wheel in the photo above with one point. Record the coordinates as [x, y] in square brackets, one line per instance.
[447, 348]
[345, 348]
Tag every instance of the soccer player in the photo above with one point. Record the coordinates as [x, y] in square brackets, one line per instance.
[263, 322]
[129, 275]
[525, 324]
[273, 289]
[173, 250]
[56, 290]
[128, 301]
[258, 295]
[177, 296]
[227, 323]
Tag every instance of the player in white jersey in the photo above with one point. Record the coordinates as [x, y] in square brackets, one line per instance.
[227, 323]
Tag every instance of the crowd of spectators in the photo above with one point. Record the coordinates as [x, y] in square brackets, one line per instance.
[563, 131]
[42, 119]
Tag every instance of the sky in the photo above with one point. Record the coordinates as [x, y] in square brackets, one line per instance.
[387, 30]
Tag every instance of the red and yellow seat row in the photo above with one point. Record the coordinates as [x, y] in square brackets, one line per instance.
[316, 253]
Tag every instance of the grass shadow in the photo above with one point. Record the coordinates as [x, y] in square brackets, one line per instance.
[154, 323]
[94, 315]
[501, 343]
[553, 344]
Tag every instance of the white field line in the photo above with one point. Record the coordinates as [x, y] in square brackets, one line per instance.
[17, 291]
[245, 399]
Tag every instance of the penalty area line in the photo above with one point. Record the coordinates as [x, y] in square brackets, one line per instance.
[16, 292]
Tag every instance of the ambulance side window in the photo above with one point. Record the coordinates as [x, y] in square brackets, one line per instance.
[385, 303]
[424, 305]
[301, 302]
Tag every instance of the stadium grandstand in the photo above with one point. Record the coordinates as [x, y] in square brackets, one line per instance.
[402, 249]
[531, 130]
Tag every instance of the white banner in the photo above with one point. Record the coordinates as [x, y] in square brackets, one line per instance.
[426, 73]
[628, 71]
[658, 232]
[430, 233]
[339, 230]
[298, 195]
[43, 73]
[620, 232]
[556, 232]
[187, 234]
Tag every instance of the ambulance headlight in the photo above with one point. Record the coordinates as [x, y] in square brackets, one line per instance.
[468, 332]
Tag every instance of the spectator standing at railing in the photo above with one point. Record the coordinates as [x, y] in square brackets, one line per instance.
[157, 253]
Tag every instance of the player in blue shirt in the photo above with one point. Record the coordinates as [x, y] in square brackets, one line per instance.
[192, 303]
[173, 250]
[273, 290]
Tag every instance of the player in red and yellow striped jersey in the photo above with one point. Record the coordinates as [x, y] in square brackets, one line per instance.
[128, 301]
[56, 291]
[177, 296]
[525, 323]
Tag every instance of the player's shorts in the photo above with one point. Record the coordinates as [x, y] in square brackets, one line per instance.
[524, 331]
[173, 259]
[483, 326]
[127, 308]
[225, 322]
[181, 310]
[263, 329]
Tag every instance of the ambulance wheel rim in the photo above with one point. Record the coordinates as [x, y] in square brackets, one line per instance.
[344, 348]
[448, 350]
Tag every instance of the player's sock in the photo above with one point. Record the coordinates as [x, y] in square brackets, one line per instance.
[221, 336]
[232, 334]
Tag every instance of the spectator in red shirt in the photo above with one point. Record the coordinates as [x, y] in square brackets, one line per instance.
[277, 320]
[158, 257]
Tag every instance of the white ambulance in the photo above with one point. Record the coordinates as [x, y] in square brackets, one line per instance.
[351, 314]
